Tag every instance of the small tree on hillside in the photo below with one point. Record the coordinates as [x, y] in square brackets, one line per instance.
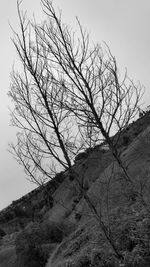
[96, 94]
[48, 139]
[68, 90]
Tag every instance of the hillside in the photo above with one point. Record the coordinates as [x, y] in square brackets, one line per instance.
[54, 226]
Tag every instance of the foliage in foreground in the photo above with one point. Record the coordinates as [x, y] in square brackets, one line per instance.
[87, 247]
[37, 241]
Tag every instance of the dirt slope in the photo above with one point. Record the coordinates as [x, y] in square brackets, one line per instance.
[105, 183]
[109, 192]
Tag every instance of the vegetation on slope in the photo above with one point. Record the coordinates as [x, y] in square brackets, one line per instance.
[70, 96]
[87, 246]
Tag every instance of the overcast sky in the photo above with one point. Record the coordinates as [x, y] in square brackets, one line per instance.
[123, 24]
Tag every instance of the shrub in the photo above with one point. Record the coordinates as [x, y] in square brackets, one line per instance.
[29, 245]
[31, 241]
[32, 257]
[2, 233]
[103, 258]
[78, 216]
[132, 238]
[71, 177]
[84, 261]
[126, 140]
[19, 211]
[8, 216]
[59, 178]
[49, 200]
[53, 184]
[37, 234]
[96, 259]
[82, 155]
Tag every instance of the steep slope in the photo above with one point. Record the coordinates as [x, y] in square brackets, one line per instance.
[66, 228]
[99, 167]
[110, 194]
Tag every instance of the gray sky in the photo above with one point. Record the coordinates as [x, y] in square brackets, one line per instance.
[123, 24]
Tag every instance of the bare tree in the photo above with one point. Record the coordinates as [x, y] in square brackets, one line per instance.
[97, 95]
[48, 139]
[69, 95]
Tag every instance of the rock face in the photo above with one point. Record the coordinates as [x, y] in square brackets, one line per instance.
[64, 229]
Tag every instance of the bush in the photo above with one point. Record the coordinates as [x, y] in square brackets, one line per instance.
[82, 155]
[2, 233]
[84, 261]
[37, 234]
[49, 201]
[29, 245]
[8, 216]
[95, 258]
[30, 242]
[78, 216]
[19, 211]
[71, 177]
[53, 184]
[132, 238]
[59, 178]
[32, 257]
[126, 140]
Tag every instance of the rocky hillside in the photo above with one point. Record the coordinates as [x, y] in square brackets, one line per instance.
[89, 217]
